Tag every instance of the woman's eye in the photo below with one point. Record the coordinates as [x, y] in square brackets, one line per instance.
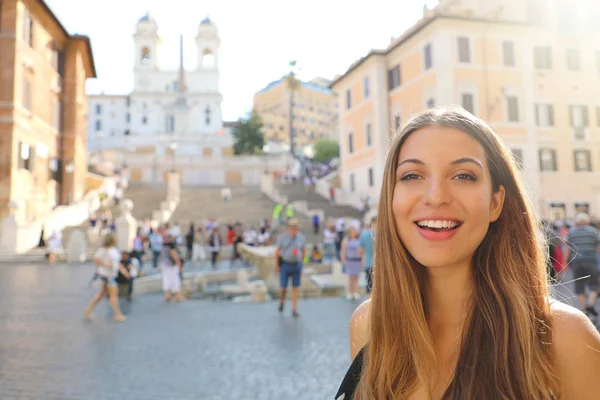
[465, 177]
[409, 177]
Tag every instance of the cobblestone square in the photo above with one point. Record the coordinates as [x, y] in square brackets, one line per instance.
[193, 350]
[196, 350]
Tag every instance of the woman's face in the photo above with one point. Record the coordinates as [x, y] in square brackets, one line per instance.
[443, 201]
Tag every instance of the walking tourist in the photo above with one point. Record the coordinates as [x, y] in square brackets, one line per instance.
[581, 255]
[237, 240]
[461, 306]
[138, 246]
[128, 263]
[316, 221]
[352, 261]
[277, 211]
[339, 231]
[288, 262]
[55, 245]
[214, 244]
[198, 252]
[108, 265]
[189, 242]
[289, 211]
[171, 269]
[329, 237]
[156, 246]
[367, 245]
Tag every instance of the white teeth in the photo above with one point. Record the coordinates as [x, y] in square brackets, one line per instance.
[438, 224]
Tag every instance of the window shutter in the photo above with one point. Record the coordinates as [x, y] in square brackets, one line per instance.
[550, 114]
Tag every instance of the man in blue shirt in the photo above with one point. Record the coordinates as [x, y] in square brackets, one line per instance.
[289, 257]
[367, 246]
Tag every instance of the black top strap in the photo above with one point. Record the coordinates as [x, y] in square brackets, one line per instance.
[348, 386]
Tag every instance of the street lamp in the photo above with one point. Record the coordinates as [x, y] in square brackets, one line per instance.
[173, 147]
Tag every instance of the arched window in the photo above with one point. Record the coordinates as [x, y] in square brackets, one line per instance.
[207, 115]
[145, 58]
[208, 58]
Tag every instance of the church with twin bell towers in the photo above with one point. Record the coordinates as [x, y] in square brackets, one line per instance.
[174, 112]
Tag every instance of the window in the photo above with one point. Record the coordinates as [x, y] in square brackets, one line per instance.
[573, 60]
[367, 88]
[98, 109]
[542, 57]
[207, 114]
[468, 102]
[579, 120]
[544, 115]
[427, 55]
[27, 100]
[464, 50]
[582, 160]
[170, 123]
[352, 183]
[508, 54]
[98, 125]
[28, 28]
[280, 128]
[394, 77]
[512, 104]
[547, 160]
[368, 134]
[54, 168]
[371, 178]
[397, 121]
[26, 156]
[350, 143]
[128, 101]
[144, 120]
[518, 157]
[128, 117]
[348, 99]
[145, 56]
[431, 102]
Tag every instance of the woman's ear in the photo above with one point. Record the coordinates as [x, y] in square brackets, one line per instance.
[497, 203]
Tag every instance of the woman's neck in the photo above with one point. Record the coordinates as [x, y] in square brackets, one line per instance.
[447, 293]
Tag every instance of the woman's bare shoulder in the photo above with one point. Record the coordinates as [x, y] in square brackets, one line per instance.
[577, 347]
[359, 327]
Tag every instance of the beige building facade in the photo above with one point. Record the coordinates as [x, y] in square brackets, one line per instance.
[314, 112]
[43, 109]
[531, 69]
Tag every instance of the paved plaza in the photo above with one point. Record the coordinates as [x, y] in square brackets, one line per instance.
[197, 350]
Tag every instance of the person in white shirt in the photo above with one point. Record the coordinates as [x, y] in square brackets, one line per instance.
[54, 245]
[108, 262]
[329, 237]
[226, 194]
[175, 231]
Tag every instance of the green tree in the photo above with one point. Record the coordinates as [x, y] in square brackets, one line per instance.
[326, 150]
[248, 135]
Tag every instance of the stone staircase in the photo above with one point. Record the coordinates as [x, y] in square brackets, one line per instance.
[146, 199]
[298, 192]
[248, 205]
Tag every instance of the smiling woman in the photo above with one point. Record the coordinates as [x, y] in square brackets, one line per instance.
[460, 301]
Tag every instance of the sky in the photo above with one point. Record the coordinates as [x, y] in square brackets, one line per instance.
[258, 38]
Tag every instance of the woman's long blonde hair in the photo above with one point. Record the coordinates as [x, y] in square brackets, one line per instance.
[506, 351]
